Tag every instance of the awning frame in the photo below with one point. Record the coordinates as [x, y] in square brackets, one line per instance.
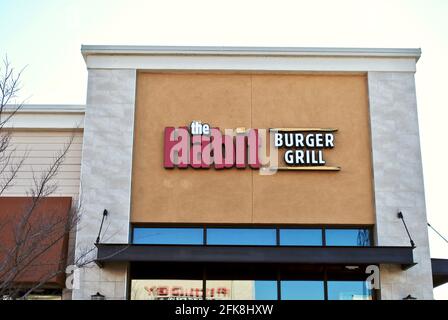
[439, 271]
[255, 254]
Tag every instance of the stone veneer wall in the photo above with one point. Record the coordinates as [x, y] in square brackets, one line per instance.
[106, 177]
[398, 181]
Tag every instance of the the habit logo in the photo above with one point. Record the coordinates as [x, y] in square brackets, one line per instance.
[202, 146]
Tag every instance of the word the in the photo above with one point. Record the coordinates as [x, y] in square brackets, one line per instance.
[198, 128]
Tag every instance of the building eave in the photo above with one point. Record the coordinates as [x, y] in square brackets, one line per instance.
[45, 117]
[250, 59]
[45, 108]
[250, 51]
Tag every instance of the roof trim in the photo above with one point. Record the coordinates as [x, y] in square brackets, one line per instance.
[45, 117]
[250, 59]
[250, 51]
[46, 108]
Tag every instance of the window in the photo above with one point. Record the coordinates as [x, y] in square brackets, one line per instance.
[166, 289]
[265, 290]
[234, 236]
[233, 281]
[347, 237]
[241, 289]
[348, 290]
[168, 236]
[268, 236]
[300, 237]
[302, 290]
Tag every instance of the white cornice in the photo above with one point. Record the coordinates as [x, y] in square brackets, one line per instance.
[251, 51]
[46, 108]
[251, 59]
[45, 117]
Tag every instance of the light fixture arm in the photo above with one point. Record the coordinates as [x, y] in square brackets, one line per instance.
[105, 213]
[400, 216]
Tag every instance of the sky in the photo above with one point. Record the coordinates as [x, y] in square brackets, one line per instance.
[45, 37]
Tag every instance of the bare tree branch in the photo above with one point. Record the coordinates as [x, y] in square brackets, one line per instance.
[34, 232]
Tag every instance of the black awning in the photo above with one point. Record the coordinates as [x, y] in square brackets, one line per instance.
[439, 271]
[255, 254]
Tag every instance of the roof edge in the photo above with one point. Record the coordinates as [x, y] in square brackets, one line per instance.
[45, 108]
[87, 50]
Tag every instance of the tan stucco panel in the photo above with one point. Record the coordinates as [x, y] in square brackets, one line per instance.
[243, 196]
[327, 101]
[188, 195]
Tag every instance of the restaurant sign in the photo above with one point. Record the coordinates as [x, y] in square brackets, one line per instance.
[201, 146]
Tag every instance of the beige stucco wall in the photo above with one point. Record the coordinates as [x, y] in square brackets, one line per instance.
[244, 196]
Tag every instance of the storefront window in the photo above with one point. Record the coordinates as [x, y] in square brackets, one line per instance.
[348, 290]
[302, 290]
[300, 237]
[217, 281]
[252, 236]
[168, 236]
[241, 290]
[166, 289]
[234, 236]
[347, 237]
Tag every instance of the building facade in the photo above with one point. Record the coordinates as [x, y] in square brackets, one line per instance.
[243, 173]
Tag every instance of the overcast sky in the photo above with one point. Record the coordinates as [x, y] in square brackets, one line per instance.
[46, 36]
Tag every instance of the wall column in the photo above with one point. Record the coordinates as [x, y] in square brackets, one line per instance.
[106, 171]
[398, 181]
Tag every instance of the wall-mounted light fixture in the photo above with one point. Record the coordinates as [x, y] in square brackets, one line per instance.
[352, 267]
[97, 296]
[105, 213]
[400, 216]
